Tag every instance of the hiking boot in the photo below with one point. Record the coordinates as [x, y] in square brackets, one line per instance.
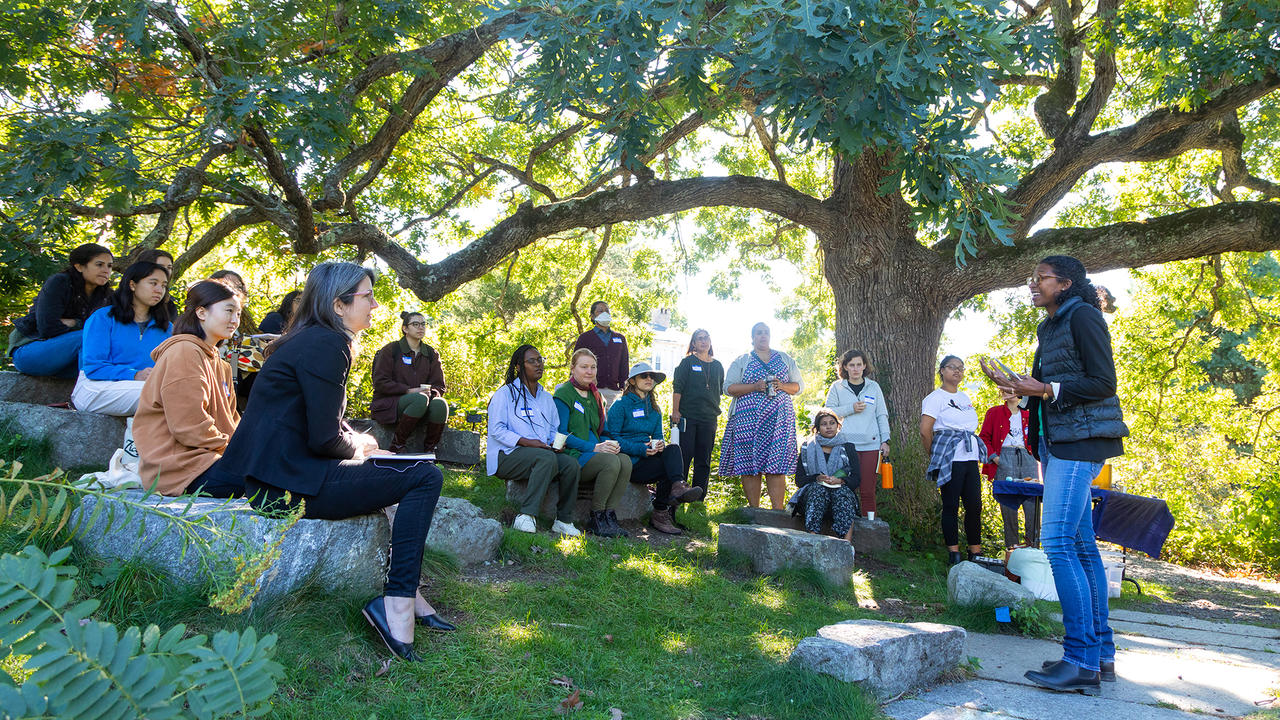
[618, 530]
[598, 523]
[660, 520]
[683, 492]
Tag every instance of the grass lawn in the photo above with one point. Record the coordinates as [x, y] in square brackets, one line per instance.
[654, 630]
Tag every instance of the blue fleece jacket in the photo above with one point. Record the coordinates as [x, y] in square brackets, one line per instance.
[112, 350]
[633, 422]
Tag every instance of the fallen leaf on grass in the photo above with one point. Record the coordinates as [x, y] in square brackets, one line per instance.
[386, 665]
[563, 681]
[615, 714]
[570, 704]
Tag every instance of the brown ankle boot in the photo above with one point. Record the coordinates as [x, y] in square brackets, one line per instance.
[404, 429]
[434, 432]
[683, 492]
[660, 520]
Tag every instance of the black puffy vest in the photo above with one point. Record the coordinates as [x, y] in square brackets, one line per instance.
[1060, 362]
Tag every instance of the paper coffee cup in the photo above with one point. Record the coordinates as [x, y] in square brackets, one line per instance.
[871, 515]
[558, 443]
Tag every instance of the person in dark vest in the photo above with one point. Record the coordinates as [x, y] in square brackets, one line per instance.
[408, 385]
[610, 349]
[1075, 425]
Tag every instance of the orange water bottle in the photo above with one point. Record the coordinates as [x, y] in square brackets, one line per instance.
[886, 475]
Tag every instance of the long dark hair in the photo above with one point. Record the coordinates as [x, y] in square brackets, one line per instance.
[201, 295]
[152, 254]
[286, 305]
[82, 303]
[122, 298]
[516, 362]
[1069, 268]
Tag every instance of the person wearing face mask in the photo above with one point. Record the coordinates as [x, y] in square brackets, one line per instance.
[610, 349]
[187, 411]
[115, 357]
[46, 341]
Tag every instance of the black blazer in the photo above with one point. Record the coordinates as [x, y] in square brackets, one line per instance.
[292, 430]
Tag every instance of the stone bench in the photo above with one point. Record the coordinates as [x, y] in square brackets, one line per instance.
[886, 658]
[344, 556]
[76, 439]
[869, 536]
[457, 447]
[771, 549]
[636, 501]
[16, 387]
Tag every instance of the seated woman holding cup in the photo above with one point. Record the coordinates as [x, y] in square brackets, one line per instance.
[581, 411]
[828, 475]
[408, 385]
[635, 421]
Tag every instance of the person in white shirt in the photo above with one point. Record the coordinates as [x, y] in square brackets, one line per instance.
[948, 426]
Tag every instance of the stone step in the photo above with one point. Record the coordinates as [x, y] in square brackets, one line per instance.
[869, 536]
[16, 387]
[78, 440]
[772, 549]
[886, 658]
[342, 556]
[457, 447]
[636, 501]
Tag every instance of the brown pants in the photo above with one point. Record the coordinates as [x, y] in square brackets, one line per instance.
[869, 468]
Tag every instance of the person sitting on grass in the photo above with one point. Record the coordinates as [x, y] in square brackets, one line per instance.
[187, 411]
[115, 355]
[522, 427]
[635, 421]
[825, 471]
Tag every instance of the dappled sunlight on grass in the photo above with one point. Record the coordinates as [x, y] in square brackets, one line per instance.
[519, 632]
[656, 569]
[774, 645]
[766, 595]
[572, 546]
[674, 642]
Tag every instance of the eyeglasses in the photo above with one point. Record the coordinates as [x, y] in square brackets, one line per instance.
[534, 361]
[416, 325]
[354, 295]
[1037, 278]
[957, 368]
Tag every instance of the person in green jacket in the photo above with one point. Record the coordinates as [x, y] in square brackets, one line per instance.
[635, 421]
[581, 410]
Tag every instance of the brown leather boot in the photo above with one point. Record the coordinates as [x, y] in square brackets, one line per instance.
[404, 429]
[660, 520]
[683, 492]
[432, 439]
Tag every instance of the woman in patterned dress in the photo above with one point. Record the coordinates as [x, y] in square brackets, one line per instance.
[760, 437]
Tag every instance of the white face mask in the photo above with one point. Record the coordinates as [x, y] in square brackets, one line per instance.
[603, 319]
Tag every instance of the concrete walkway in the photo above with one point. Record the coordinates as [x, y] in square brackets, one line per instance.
[1169, 668]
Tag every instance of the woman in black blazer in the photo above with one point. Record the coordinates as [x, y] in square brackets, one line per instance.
[292, 438]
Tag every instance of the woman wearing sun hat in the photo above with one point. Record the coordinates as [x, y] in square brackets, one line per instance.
[635, 422]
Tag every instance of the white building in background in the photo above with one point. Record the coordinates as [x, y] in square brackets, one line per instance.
[668, 344]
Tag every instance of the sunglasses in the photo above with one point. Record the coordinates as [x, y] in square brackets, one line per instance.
[646, 376]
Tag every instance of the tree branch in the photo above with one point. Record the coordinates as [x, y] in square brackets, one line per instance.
[1227, 227]
[228, 224]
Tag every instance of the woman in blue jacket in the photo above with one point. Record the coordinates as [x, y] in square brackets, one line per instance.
[115, 355]
[46, 341]
[635, 421]
[292, 445]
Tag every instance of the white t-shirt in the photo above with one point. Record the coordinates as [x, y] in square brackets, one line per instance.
[1014, 438]
[953, 411]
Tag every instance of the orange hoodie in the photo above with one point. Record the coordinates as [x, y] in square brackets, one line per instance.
[186, 414]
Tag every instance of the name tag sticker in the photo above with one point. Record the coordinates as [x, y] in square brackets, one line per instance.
[617, 340]
[869, 399]
[637, 413]
[407, 359]
[696, 368]
[526, 411]
[578, 406]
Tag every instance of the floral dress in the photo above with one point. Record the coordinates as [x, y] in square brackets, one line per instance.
[760, 436]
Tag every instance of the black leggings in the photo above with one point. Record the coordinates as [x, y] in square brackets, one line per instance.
[664, 468]
[696, 438]
[351, 490]
[966, 486]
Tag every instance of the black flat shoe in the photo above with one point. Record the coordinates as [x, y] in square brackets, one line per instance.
[376, 613]
[1065, 677]
[435, 622]
[954, 557]
[1108, 673]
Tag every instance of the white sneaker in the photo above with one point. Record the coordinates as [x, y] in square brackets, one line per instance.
[566, 529]
[525, 523]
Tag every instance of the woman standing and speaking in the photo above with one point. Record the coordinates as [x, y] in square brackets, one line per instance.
[1076, 424]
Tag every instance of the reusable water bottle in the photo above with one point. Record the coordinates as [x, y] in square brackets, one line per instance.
[886, 475]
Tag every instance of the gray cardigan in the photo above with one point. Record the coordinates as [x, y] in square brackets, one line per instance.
[867, 429]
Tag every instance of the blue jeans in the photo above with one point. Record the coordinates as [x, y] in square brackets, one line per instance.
[1067, 538]
[58, 356]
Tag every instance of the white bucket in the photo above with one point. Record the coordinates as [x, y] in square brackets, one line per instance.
[1032, 565]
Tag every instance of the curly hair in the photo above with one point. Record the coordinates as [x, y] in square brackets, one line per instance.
[1069, 268]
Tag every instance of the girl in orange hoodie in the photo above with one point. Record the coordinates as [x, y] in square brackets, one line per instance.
[187, 410]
